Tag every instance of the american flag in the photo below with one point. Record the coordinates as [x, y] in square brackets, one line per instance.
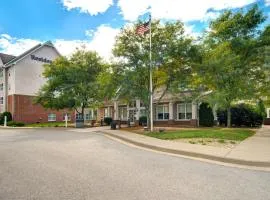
[143, 28]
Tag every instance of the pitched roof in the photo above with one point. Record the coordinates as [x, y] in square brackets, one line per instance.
[23, 54]
[15, 59]
[6, 58]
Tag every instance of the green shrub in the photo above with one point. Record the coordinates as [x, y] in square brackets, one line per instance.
[261, 109]
[143, 121]
[15, 124]
[108, 120]
[2, 117]
[206, 117]
[242, 115]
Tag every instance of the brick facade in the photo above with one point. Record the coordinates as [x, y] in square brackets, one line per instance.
[267, 121]
[24, 110]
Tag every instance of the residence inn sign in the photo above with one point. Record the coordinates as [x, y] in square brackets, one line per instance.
[45, 60]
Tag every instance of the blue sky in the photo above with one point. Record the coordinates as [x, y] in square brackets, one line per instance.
[95, 23]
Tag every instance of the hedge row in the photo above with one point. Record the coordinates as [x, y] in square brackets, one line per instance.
[242, 115]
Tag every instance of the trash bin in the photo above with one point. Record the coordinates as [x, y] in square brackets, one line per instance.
[79, 123]
[113, 125]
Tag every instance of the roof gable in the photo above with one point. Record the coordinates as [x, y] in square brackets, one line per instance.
[6, 57]
[28, 52]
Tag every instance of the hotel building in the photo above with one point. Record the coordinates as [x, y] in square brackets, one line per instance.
[21, 78]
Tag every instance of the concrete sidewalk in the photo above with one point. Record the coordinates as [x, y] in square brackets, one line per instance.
[255, 148]
[255, 151]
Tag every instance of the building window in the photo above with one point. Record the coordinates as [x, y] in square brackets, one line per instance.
[122, 111]
[89, 115]
[1, 87]
[68, 115]
[1, 100]
[79, 116]
[143, 112]
[132, 104]
[51, 117]
[106, 112]
[9, 86]
[163, 112]
[184, 111]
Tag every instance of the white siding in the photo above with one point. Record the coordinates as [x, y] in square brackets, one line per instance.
[10, 80]
[28, 72]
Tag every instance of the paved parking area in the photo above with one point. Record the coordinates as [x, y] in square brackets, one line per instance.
[62, 164]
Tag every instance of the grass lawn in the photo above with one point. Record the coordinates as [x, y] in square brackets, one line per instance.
[49, 124]
[237, 134]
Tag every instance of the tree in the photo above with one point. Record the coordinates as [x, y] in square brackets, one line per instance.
[232, 64]
[73, 82]
[171, 58]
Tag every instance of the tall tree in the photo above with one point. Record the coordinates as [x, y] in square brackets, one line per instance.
[171, 58]
[232, 63]
[73, 82]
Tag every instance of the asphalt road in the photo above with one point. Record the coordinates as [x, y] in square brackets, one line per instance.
[59, 164]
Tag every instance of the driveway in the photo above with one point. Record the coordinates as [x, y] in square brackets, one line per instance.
[67, 164]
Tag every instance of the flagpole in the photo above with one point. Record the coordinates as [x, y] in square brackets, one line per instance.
[150, 76]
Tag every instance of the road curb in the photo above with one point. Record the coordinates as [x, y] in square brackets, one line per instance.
[10, 127]
[191, 154]
[29, 127]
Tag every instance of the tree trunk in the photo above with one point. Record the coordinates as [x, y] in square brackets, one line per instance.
[83, 112]
[229, 117]
[83, 115]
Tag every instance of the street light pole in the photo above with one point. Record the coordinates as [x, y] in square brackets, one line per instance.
[150, 77]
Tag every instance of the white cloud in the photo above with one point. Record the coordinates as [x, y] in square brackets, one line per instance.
[6, 36]
[210, 16]
[89, 33]
[93, 7]
[267, 2]
[176, 9]
[15, 46]
[189, 30]
[102, 41]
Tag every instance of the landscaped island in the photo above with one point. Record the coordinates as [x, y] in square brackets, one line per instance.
[238, 134]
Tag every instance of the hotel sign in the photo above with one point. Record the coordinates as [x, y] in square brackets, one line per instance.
[45, 60]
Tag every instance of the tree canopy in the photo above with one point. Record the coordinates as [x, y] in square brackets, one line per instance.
[172, 52]
[233, 62]
[73, 82]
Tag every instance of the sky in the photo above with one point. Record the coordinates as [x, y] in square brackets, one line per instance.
[95, 23]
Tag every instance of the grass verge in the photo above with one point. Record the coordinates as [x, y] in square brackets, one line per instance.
[237, 134]
[49, 124]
